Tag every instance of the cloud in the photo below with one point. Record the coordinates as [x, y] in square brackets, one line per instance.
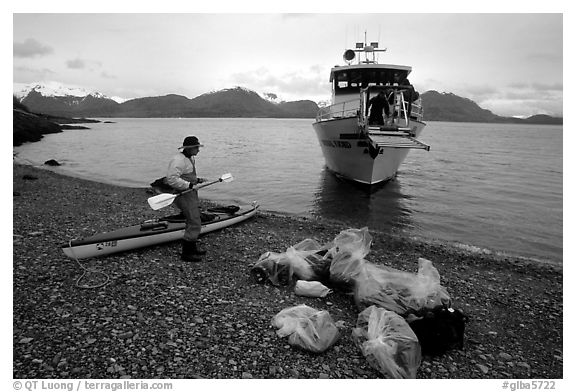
[302, 84]
[526, 99]
[26, 74]
[537, 86]
[549, 86]
[544, 57]
[76, 64]
[31, 48]
[106, 75]
[523, 107]
[519, 98]
[89, 66]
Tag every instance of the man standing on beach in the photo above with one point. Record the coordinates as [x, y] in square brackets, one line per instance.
[181, 176]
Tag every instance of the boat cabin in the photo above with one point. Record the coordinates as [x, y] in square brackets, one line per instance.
[347, 81]
[354, 84]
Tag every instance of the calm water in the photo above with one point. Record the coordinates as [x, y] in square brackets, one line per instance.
[485, 186]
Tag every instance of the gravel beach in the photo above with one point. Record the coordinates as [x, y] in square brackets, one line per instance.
[161, 318]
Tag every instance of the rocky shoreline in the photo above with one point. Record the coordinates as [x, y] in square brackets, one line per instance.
[31, 127]
[160, 318]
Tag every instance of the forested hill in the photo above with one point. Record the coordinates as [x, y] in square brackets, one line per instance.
[451, 107]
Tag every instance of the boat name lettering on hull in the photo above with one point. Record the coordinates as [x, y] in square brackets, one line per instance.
[336, 143]
[108, 244]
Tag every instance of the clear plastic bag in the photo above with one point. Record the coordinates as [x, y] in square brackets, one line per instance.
[339, 261]
[305, 260]
[307, 328]
[347, 253]
[388, 343]
[311, 289]
[399, 291]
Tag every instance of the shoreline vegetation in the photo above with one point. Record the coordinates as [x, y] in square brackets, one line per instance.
[160, 318]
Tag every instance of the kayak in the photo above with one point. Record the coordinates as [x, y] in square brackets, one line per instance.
[156, 231]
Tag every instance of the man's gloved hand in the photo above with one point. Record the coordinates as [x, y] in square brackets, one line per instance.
[198, 181]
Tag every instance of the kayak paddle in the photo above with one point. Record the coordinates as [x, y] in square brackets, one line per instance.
[165, 199]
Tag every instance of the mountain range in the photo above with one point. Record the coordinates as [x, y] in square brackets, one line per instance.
[450, 107]
[60, 105]
[234, 102]
[58, 100]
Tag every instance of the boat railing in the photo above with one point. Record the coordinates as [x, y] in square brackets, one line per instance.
[339, 110]
[354, 107]
[399, 108]
[417, 110]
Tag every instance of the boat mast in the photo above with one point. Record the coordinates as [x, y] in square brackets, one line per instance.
[363, 47]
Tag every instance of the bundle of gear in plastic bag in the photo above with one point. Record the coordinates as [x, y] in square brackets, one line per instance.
[307, 328]
[306, 261]
[388, 343]
[417, 299]
[348, 251]
[399, 291]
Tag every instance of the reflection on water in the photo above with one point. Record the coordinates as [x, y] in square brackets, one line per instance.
[380, 208]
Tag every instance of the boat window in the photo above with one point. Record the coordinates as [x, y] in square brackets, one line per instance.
[355, 78]
[371, 77]
[347, 82]
[350, 81]
[341, 80]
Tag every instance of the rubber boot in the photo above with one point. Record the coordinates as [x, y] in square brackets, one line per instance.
[187, 252]
[195, 250]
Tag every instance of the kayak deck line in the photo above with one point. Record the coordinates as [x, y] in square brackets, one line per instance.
[151, 233]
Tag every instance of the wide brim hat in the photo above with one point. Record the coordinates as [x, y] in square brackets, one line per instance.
[190, 141]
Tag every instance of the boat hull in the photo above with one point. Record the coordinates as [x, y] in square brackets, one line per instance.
[348, 154]
[136, 236]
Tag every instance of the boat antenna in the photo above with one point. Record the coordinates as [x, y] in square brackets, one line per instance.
[363, 47]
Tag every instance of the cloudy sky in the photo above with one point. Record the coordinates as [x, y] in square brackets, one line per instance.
[509, 63]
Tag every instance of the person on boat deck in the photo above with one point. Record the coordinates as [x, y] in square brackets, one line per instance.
[377, 104]
[181, 176]
[410, 93]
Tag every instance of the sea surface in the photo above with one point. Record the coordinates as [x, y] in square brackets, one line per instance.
[484, 187]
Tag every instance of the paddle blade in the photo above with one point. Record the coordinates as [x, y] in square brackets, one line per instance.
[226, 177]
[162, 200]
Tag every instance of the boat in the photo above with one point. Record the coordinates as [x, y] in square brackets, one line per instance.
[354, 147]
[155, 231]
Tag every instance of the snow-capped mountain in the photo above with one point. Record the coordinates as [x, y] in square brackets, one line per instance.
[269, 97]
[272, 97]
[55, 89]
[57, 99]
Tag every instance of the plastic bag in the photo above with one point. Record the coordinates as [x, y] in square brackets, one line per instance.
[387, 342]
[348, 252]
[338, 261]
[399, 291]
[311, 289]
[308, 328]
[305, 260]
